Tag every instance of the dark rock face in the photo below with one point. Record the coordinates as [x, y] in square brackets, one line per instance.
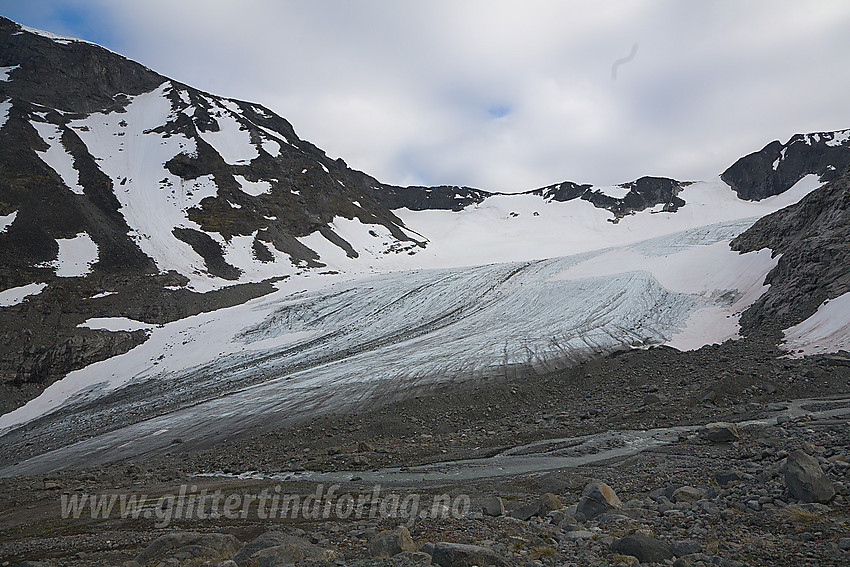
[813, 237]
[429, 198]
[73, 76]
[644, 193]
[777, 167]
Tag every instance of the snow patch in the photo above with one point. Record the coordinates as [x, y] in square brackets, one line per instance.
[5, 107]
[7, 220]
[4, 72]
[232, 141]
[16, 295]
[57, 157]
[103, 294]
[271, 147]
[840, 138]
[115, 324]
[614, 191]
[828, 330]
[254, 188]
[76, 256]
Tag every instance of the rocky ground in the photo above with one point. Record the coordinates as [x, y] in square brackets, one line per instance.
[770, 493]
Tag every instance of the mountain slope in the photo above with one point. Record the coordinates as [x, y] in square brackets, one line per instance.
[812, 240]
[124, 193]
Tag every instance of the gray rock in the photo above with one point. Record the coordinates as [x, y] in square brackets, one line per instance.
[720, 432]
[391, 542]
[597, 499]
[685, 547]
[726, 476]
[547, 503]
[273, 539]
[646, 549]
[806, 480]
[192, 544]
[578, 534]
[279, 555]
[844, 544]
[526, 511]
[461, 555]
[493, 506]
[411, 559]
[228, 563]
[687, 494]
[651, 398]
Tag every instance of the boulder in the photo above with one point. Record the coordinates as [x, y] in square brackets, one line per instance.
[274, 539]
[724, 477]
[190, 544]
[462, 555]
[597, 499]
[391, 542]
[279, 555]
[547, 503]
[685, 547]
[646, 549]
[687, 494]
[721, 432]
[806, 480]
[493, 506]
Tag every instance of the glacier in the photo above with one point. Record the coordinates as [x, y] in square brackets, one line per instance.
[327, 344]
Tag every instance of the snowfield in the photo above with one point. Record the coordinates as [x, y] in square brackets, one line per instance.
[828, 330]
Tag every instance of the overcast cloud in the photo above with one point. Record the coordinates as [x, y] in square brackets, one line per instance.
[495, 94]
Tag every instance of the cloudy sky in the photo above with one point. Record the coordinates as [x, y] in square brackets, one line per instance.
[501, 95]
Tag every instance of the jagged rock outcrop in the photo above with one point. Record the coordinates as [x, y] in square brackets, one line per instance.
[777, 167]
[643, 193]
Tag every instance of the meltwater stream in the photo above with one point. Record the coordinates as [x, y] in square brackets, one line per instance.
[550, 454]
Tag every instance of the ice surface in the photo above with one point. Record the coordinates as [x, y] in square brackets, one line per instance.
[57, 157]
[828, 330]
[16, 295]
[115, 324]
[353, 336]
[7, 220]
[76, 256]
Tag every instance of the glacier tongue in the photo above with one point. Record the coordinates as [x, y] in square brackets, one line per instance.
[346, 339]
